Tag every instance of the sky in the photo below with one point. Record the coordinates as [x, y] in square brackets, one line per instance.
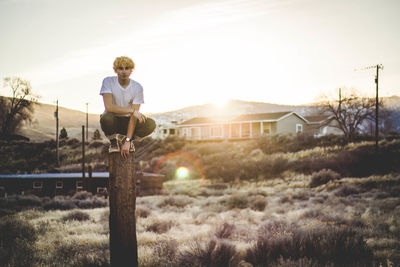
[193, 52]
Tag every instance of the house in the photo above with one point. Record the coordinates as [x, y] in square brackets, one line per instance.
[52, 184]
[243, 127]
[321, 125]
[166, 129]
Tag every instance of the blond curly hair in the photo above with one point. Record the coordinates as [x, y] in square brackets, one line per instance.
[123, 62]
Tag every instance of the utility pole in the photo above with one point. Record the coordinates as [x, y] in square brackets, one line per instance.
[87, 122]
[57, 137]
[83, 151]
[377, 67]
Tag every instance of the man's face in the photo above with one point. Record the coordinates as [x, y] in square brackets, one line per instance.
[124, 72]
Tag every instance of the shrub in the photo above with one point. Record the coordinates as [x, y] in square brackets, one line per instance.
[160, 227]
[17, 239]
[164, 254]
[347, 190]
[142, 212]
[77, 253]
[91, 203]
[177, 201]
[340, 246]
[302, 195]
[237, 201]
[73, 142]
[76, 216]
[213, 254]
[59, 204]
[82, 195]
[322, 177]
[285, 199]
[258, 203]
[224, 231]
[29, 201]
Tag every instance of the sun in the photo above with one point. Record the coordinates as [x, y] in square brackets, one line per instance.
[220, 102]
[182, 172]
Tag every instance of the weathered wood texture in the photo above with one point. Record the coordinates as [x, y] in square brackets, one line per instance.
[122, 197]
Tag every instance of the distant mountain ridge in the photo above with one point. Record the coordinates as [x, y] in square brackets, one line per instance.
[44, 124]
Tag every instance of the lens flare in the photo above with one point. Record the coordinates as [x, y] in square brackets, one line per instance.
[182, 173]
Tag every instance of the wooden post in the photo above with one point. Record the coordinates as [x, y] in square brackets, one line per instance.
[122, 197]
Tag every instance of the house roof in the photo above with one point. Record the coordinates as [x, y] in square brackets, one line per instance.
[198, 121]
[261, 116]
[274, 116]
[316, 119]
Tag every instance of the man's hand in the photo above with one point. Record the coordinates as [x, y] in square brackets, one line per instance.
[139, 116]
[125, 149]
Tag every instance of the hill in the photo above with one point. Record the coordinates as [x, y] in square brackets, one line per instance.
[43, 126]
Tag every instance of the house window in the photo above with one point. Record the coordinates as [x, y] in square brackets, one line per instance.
[172, 131]
[299, 128]
[165, 131]
[37, 185]
[216, 131]
[79, 184]
[59, 184]
[101, 190]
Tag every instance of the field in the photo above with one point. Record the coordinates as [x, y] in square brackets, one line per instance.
[301, 214]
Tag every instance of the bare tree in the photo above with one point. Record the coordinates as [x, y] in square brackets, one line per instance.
[18, 108]
[349, 113]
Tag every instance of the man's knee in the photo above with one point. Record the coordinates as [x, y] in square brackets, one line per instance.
[146, 128]
[108, 123]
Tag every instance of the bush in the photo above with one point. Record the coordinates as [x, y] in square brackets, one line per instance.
[213, 254]
[76, 216]
[82, 195]
[73, 142]
[347, 190]
[238, 201]
[142, 212]
[17, 242]
[91, 203]
[160, 227]
[340, 246]
[322, 177]
[224, 231]
[81, 254]
[59, 204]
[176, 201]
[258, 203]
[28, 201]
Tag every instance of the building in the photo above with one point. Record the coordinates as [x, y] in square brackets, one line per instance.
[321, 125]
[243, 127]
[52, 184]
[164, 130]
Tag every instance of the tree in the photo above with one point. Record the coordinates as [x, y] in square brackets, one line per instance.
[96, 135]
[63, 134]
[349, 113]
[18, 108]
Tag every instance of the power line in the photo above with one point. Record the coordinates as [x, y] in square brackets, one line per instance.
[377, 67]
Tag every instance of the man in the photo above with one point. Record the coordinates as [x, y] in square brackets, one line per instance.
[122, 122]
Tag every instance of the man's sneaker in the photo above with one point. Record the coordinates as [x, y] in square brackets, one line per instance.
[115, 143]
[132, 148]
[114, 146]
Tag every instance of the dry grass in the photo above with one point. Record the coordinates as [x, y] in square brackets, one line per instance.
[222, 226]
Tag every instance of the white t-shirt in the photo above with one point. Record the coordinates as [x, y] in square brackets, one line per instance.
[123, 97]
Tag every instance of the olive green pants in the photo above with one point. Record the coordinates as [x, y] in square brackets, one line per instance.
[112, 124]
